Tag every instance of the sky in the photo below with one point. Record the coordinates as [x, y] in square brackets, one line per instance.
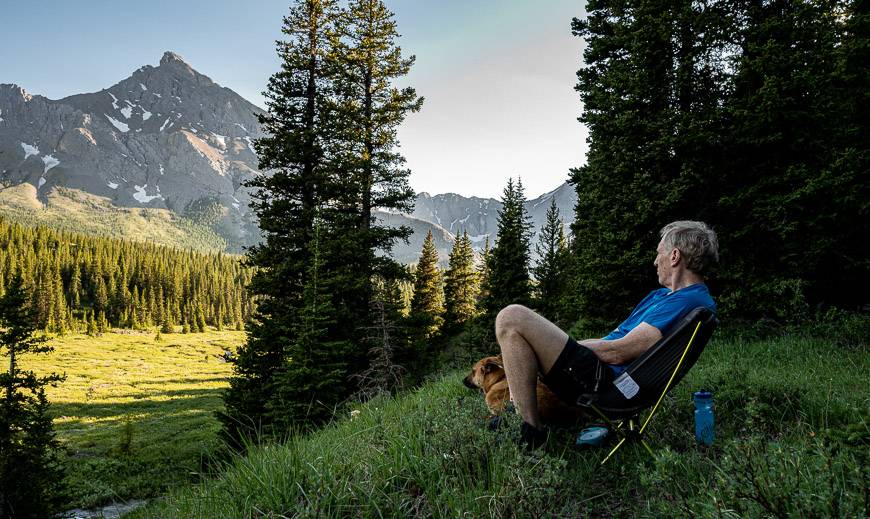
[497, 75]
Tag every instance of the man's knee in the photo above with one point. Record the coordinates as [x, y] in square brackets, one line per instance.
[510, 319]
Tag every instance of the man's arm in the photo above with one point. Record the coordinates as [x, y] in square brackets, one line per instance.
[628, 348]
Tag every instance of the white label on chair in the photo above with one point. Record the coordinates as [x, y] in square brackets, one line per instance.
[626, 385]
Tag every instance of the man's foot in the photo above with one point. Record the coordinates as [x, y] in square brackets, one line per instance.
[531, 437]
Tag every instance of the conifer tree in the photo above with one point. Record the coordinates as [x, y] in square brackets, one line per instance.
[549, 272]
[92, 324]
[313, 375]
[367, 109]
[508, 279]
[388, 341]
[30, 472]
[460, 284]
[427, 303]
[285, 204]
[483, 274]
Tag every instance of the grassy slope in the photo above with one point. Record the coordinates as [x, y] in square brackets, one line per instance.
[134, 415]
[77, 211]
[792, 426]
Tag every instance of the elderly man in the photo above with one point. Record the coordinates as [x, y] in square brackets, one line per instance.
[531, 344]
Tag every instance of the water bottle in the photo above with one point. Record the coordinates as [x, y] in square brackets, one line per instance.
[704, 432]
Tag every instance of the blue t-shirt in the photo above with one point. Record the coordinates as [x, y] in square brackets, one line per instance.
[662, 308]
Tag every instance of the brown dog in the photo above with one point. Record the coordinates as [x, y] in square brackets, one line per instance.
[488, 375]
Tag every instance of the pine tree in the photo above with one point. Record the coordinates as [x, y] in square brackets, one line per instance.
[549, 272]
[460, 284]
[427, 303]
[508, 281]
[30, 472]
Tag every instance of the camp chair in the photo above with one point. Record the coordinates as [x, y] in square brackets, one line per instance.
[648, 378]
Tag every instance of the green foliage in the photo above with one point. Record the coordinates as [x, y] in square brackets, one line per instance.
[30, 474]
[427, 303]
[744, 115]
[117, 283]
[331, 142]
[550, 272]
[507, 280]
[461, 285]
[205, 211]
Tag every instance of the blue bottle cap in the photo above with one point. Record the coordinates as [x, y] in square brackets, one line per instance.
[703, 395]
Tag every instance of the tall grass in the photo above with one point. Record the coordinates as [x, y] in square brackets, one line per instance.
[792, 437]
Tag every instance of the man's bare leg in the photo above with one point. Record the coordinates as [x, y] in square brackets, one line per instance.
[529, 344]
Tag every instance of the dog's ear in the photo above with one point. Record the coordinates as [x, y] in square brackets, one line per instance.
[492, 365]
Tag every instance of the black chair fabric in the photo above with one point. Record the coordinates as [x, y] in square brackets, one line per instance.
[652, 370]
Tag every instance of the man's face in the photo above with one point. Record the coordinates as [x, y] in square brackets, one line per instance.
[663, 264]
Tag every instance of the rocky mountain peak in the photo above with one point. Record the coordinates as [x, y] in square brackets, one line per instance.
[11, 91]
[170, 57]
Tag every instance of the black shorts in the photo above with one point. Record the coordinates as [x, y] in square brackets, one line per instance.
[577, 371]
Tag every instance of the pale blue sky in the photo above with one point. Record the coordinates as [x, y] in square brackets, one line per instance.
[497, 75]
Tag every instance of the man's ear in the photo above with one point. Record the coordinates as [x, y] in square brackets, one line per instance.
[676, 256]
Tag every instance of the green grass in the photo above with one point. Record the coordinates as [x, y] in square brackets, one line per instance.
[135, 416]
[792, 440]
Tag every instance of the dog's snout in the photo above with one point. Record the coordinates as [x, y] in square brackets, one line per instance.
[468, 383]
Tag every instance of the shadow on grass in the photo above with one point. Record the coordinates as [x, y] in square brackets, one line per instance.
[182, 401]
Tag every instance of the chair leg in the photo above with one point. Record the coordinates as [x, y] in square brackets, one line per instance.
[618, 445]
[648, 449]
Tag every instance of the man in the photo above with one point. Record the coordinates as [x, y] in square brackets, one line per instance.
[531, 344]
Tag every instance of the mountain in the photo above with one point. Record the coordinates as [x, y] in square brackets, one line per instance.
[161, 156]
[165, 139]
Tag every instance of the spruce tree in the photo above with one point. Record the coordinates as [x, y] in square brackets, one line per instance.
[285, 204]
[549, 273]
[427, 303]
[460, 285]
[390, 352]
[508, 279]
[30, 472]
[313, 375]
[651, 89]
[367, 109]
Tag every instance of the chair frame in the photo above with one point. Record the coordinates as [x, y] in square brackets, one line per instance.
[626, 423]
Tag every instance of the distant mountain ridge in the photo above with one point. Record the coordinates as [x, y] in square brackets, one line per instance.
[170, 143]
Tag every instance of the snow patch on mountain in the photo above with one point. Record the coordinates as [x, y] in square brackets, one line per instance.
[118, 124]
[49, 162]
[29, 150]
[142, 196]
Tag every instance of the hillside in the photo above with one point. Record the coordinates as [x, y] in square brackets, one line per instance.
[783, 448]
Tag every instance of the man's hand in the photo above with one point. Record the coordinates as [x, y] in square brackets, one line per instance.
[626, 349]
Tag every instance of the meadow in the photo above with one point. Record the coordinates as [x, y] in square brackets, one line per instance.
[135, 415]
[793, 429]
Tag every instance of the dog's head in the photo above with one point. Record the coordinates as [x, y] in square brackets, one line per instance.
[486, 372]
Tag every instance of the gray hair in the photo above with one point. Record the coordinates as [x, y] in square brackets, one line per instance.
[696, 242]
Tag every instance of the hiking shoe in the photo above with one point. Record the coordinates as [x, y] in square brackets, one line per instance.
[532, 438]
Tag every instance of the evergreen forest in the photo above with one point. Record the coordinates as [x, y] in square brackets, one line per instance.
[80, 283]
